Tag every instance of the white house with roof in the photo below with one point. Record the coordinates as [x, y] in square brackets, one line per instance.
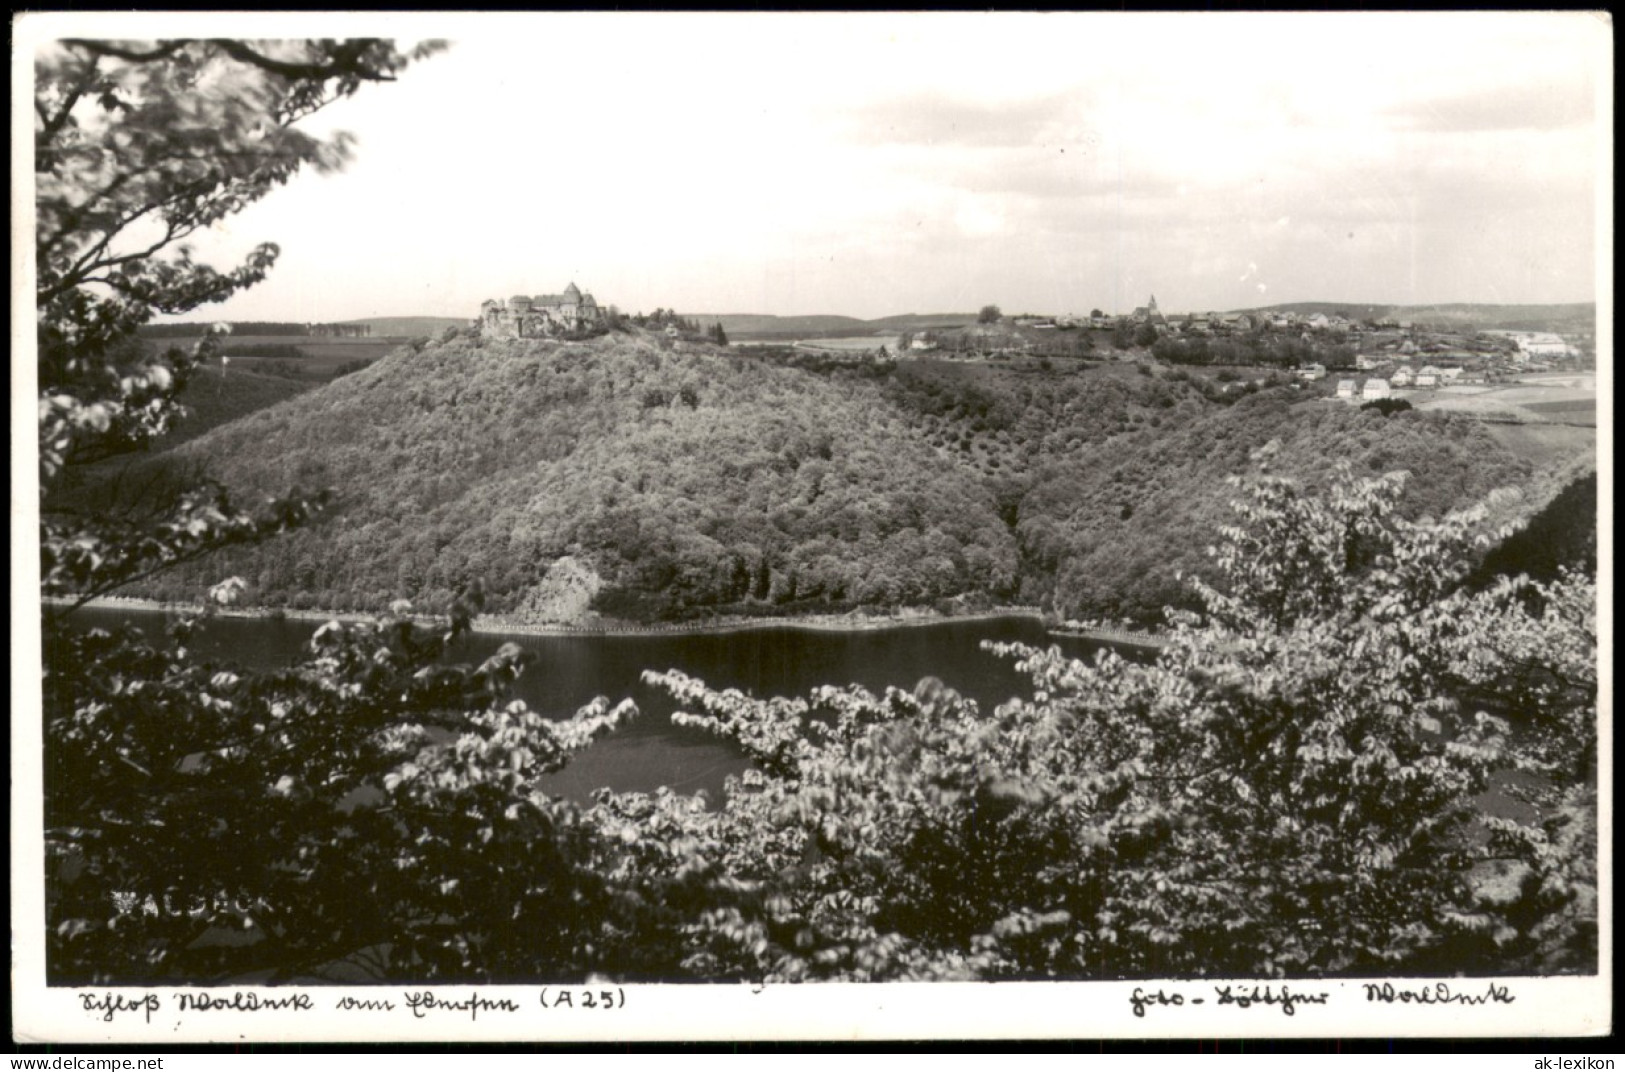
[1542, 345]
[1376, 388]
[1346, 388]
[1402, 377]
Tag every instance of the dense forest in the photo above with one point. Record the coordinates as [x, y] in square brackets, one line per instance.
[214, 397]
[647, 479]
[1255, 348]
[1116, 483]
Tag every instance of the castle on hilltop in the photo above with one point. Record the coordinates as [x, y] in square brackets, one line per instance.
[540, 317]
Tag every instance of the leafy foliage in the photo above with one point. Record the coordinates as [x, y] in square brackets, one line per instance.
[136, 147]
[1389, 406]
[168, 779]
[366, 800]
[369, 804]
[1562, 533]
[1291, 788]
[1267, 348]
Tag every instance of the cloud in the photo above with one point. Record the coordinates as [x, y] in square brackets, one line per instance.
[1045, 162]
[1047, 174]
[930, 118]
[979, 217]
[1552, 101]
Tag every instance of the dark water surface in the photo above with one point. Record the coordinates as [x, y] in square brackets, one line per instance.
[569, 671]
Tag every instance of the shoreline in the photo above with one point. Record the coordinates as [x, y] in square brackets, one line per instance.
[493, 626]
[1125, 637]
[818, 623]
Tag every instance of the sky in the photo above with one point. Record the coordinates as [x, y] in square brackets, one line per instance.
[870, 165]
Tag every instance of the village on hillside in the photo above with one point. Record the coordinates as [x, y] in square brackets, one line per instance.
[1372, 341]
[1517, 375]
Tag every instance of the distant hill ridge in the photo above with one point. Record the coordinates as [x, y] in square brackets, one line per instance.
[739, 325]
[1577, 314]
[382, 327]
[1574, 315]
[411, 325]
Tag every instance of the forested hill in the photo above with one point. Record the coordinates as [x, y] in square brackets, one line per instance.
[658, 476]
[647, 478]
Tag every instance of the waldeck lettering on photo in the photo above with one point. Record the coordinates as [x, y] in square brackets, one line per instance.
[243, 1001]
[1441, 993]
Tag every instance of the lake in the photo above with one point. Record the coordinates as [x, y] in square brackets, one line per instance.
[569, 671]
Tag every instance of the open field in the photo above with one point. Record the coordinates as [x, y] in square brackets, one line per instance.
[408, 327]
[852, 343]
[317, 359]
[1565, 398]
[212, 399]
[303, 341]
[1582, 382]
[1544, 444]
[1573, 408]
[762, 327]
[303, 357]
[347, 350]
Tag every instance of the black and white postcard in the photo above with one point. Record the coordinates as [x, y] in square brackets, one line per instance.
[726, 526]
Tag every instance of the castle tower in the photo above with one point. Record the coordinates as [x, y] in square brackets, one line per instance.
[526, 316]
